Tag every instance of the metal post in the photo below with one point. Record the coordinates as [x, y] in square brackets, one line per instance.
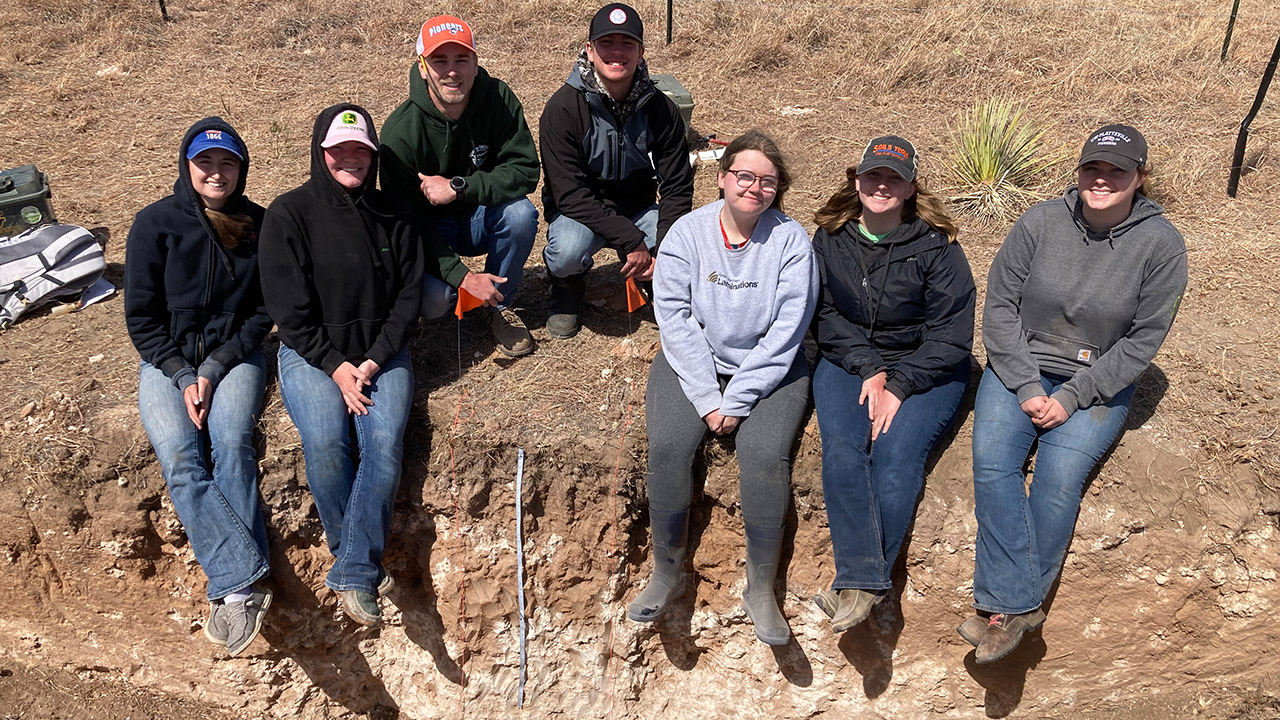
[1231, 25]
[1237, 160]
[164, 12]
[671, 9]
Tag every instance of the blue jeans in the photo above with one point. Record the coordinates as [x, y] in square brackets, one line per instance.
[354, 499]
[871, 488]
[504, 233]
[218, 505]
[1023, 537]
[571, 245]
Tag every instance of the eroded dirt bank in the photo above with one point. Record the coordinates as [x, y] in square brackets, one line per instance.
[1169, 587]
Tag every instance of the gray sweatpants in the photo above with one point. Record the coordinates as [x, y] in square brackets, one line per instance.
[764, 440]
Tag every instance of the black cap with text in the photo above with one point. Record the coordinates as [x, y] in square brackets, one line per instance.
[893, 152]
[1120, 145]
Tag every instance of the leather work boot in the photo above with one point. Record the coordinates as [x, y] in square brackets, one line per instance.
[670, 531]
[508, 330]
[361, 606]
[1004, 632]
[855, 606]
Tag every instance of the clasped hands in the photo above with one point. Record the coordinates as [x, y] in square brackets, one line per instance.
[351, 381]
[881, 404]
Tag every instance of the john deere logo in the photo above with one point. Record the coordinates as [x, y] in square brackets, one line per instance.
[713, 277]
[31, 215]
[349, 118]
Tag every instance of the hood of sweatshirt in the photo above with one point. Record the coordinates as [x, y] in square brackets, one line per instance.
[186, 194]
[322, 183]
[1143, 208]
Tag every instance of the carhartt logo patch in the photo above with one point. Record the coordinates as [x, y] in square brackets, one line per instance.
[1085, 355]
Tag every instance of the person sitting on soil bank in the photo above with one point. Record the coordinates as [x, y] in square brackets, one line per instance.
[343, 280]
[734, 291]
[458, 157]
[1080, 297]
[894, 328]
[194, 309]
[611, 144]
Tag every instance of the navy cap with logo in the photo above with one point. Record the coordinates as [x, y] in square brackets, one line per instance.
[616, 18]
[1120, 145]
[893, 152]
[214, 138]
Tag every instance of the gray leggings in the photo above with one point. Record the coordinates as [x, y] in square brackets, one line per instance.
[763, 440]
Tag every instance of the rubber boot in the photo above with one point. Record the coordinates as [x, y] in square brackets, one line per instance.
[670, 531]
[567, 293]
[764, 547]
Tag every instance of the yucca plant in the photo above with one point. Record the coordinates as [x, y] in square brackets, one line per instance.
[999, 160]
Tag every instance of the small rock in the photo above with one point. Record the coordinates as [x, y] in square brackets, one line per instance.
[26, 410]
[96, 358]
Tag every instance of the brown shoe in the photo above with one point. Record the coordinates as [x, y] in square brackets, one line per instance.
[973, 629]
[855, 606]
[513, 337]
[1004, 632]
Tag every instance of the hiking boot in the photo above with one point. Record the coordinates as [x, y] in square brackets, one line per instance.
[215, 628]
[386, 583]
[764, 547]
[563, 326]
[1004, 632]
[855, 606]
[828, 601]
[670, 531]
[508, 330]
[973, 629]
[361, 606]
[244, 619]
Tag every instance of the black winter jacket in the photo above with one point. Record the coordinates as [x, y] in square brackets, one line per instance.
[602, 169]
[341, 275]
[191, 305]
[904, 305]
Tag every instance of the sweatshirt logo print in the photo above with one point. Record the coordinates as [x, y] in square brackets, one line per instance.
[718, 279]
[1085, 355]
[478, 155]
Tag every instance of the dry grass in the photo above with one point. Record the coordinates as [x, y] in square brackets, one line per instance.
[98, 94]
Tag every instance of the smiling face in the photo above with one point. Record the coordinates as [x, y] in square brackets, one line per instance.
[348, 162]
[1106, 188]
[450, 71]
[214, 175]
[615, 58]
[758, 196]
[884, 193]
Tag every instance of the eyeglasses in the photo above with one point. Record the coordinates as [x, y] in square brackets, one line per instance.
[746, 178]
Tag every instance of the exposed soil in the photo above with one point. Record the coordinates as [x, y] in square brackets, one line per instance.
[1166, 603]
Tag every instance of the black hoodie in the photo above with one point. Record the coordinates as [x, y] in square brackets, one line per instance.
[904, 305]
[190, 304]
[342, 276]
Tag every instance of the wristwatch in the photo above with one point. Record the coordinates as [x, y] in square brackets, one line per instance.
[458, 184]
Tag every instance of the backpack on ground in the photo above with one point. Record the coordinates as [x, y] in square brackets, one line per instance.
[44, 265]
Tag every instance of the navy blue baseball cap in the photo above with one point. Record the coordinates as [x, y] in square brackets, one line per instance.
[214, 138]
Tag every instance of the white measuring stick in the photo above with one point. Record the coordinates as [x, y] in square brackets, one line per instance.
[520, 568]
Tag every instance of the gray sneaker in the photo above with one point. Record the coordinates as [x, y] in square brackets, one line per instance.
[244, 620]
[215, 628]
[563, 326]
[361, 606]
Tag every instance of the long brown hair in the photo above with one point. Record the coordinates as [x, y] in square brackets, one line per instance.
[763, 144]
[844, 206]
[230, 229]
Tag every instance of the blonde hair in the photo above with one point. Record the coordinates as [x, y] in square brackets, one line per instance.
[844, 206]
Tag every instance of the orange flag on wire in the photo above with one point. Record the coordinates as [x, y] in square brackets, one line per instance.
[635, 299]
[466, 301]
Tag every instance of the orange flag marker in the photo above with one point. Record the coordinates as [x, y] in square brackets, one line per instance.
[635, 298]
[466, 301]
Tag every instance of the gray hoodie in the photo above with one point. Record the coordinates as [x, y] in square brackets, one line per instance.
[1063, 300]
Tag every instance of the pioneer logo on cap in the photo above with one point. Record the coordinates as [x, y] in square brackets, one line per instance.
[450, 27]
[618, 16]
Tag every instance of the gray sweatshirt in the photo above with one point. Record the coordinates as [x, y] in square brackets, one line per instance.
[740, 313]
[1065, 301]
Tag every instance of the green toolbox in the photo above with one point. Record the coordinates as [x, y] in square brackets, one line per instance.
[25, 200]
[671, 87]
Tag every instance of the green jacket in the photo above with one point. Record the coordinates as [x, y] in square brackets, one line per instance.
[490, 145]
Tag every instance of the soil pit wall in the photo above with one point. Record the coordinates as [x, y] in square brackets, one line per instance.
[96, 577]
